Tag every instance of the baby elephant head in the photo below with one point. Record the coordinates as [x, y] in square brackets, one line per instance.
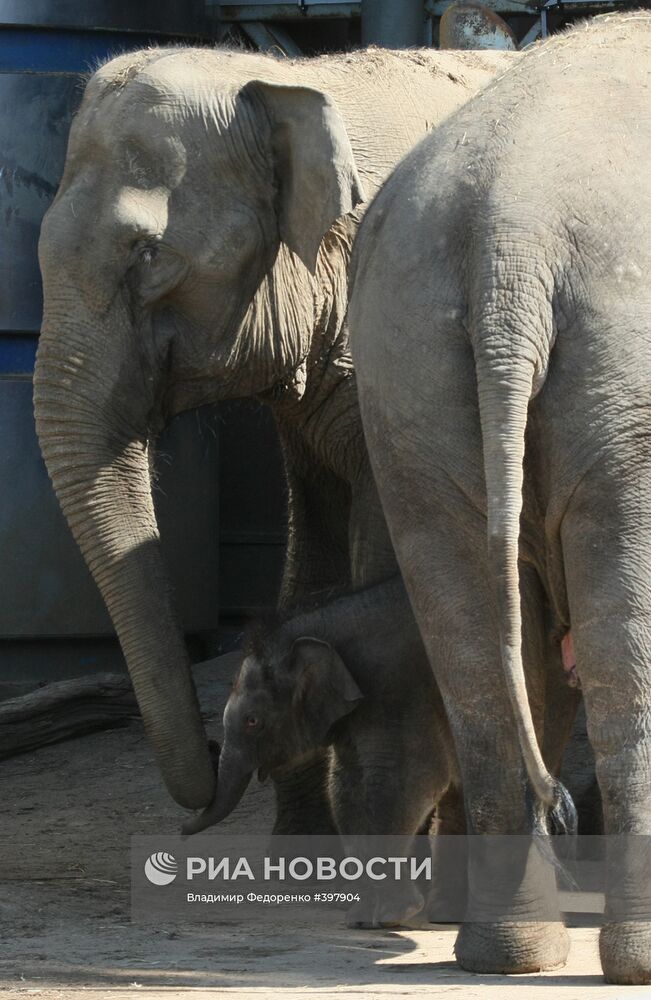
[282, 707]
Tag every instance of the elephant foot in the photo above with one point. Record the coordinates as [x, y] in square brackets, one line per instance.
[625, 951]
[378, 909]
[448, 899]
[447, 902]
[500, 948]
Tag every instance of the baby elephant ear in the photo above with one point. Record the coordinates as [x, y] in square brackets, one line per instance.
[324, 689]
[314, 165]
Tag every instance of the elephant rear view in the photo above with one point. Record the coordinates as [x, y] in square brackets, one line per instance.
[501, 298]
[198, 249]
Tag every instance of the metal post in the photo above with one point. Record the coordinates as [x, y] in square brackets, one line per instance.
[393, 24]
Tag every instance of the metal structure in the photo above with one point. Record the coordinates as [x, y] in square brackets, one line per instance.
[391, 24]
[180, 18]
[271, 10]
[578, 7]
[46, 48]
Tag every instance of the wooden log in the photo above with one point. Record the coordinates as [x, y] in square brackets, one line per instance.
[64, 709]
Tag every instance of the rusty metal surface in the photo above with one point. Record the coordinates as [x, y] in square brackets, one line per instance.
[467, 25]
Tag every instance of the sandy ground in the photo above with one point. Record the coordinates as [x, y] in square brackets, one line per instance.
[67, 815]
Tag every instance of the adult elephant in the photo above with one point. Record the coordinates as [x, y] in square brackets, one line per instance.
[501, 291]
[198, 249]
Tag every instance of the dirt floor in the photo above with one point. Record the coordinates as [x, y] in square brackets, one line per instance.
[67, 814]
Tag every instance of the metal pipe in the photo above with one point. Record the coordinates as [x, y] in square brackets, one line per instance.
[393, 24]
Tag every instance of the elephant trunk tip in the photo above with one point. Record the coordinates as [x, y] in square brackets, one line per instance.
[195, 824]
[203, 819]
[233, 777]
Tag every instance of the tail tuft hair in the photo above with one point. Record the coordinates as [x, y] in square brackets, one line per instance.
[560, 818]
[557, 819]
[563, 818]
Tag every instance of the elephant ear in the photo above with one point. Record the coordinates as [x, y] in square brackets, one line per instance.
[324, 689]
[314, 164]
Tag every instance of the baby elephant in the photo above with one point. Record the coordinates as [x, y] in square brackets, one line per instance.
[328, 678]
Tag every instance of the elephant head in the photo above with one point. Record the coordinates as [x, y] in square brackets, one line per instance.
[177, 262]
[282, 707]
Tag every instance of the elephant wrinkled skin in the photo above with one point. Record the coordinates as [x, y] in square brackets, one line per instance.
[501, 293]
[198, 249]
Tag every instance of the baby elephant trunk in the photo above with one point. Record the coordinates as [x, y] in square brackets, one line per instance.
[233, 775]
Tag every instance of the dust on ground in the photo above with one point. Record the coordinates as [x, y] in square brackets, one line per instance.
[68, 812]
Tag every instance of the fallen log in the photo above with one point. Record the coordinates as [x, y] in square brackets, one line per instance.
[64, 709]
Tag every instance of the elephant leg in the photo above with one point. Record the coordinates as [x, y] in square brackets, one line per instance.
[448, 899]
[302, 804]
[554, 702]
[391, 901]
[564, 744]
[317, 561]
[316, 567]
[372, 558]
[606, 538]
[450, 815]
[512, 921]
[561, 705]
[554, 707]
[379, 815]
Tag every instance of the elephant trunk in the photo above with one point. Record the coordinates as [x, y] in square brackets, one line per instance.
[100, 471]
[233, 777]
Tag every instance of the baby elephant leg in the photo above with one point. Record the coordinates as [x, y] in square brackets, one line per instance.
[378, 818]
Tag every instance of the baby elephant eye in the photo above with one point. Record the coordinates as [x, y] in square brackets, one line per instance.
[251, 721]
[148, 253]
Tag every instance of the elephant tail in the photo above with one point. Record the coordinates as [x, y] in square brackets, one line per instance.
[505, 386]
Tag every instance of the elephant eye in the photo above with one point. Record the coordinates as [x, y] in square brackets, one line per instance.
[148, 253]
[251, 721]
